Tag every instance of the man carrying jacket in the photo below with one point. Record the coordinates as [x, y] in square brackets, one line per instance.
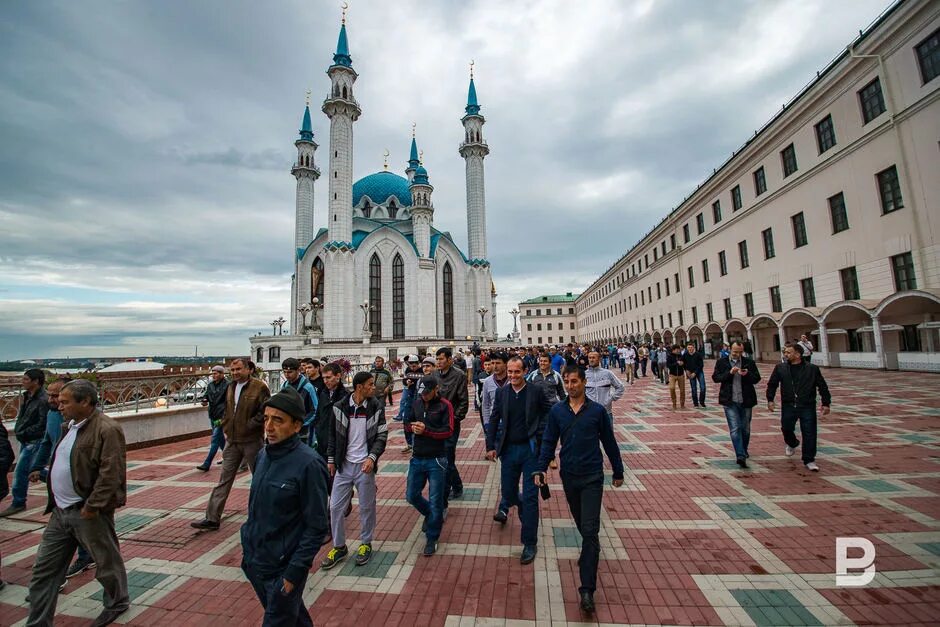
[453, 387]
[798, 382]
[287, 513]
[514, 435]
[243, 424]
[603, 386]
[737, 375]
[215, 399]
[357, 439]
[87, 482]
[295, 378]
[431, 420]
[30, 427]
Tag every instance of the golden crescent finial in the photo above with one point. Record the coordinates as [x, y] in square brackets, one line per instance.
[387, 153]
[471, 69]
[345, 7]
[413, 126]
[308, 97]
[421, 158]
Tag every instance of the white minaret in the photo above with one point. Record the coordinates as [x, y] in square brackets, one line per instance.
[306, 172]
[473, 150]
[339, 310]
[422, 210]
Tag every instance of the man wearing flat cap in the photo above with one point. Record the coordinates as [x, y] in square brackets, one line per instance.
[287, 513]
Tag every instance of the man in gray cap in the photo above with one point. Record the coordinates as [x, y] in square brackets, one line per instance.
[287, 513]
[214, 397]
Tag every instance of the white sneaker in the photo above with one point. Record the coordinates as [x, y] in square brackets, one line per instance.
[789, 451]
[812, 466]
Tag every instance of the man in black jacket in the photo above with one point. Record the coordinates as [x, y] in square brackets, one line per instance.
[695, 371]
[431, 420]
[214, 397]
[514, 434]
[737, 375]
[798, 383]
[30, 429]
[287, 513]
[453, 387]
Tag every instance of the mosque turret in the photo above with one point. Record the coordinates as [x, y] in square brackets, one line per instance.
[413, 160]
[473, 150]
[422, 210]
[306, 172]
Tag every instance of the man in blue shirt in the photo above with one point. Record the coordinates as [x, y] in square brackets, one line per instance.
[583, 426]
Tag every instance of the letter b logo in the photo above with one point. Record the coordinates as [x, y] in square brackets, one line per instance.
[843, 562]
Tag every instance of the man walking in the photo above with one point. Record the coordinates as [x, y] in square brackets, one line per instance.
[311, 369]
[583, 427]
[798, 382]
[695, 370]
[287, 513]
[294, 378]
[30, 427]
[357, 439]
[737, 375]
[807, 348]
[214, 397]
[628, 355]
[453, 387]
[662, 356]
[243, 425]
[491, 385]
[642, 354]
[548, 378]
[514, 435]
[409, 383]
[383, 379]
[432, 423]
[87, 482]
[603, 386]
[675, 364]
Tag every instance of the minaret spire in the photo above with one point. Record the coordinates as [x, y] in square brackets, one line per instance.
[413, 160]
[473, 150]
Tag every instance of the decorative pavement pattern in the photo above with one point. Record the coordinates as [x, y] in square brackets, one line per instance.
[690, 539]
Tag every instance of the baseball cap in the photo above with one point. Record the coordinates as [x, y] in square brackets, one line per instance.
[412, 359]
[427, 384]
[429, 360]
[218, 369]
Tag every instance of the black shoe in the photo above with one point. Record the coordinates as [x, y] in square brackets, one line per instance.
[694, 404]
[424, 524]
[206, 524]
[500, 516]
[78, 567]
[457, 494]
[106, 617]
[528, 554]
[587, 602]
[334, 557]
[702, 405]
[742, 462]
[203, 467]
[430, 548]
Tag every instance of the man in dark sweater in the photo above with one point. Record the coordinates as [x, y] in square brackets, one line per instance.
[798, 382]
[737, 375]
[30, 428]
[431, 420]
[583, 426]
[287, 513]
[453, 387]
[695, 370]
[514, 434]
[214, 398]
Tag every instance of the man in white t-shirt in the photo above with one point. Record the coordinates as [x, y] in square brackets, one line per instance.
[807, 348]
[627, 355]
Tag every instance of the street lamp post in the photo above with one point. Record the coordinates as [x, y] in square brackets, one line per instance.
[273, 324]
[365, 315]
[515, 329]
[303, 310]
[482, 311]
[315, 306]
[280, 325]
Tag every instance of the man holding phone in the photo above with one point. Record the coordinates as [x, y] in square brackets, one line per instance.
[737, 375]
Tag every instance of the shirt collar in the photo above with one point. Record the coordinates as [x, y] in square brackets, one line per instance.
[352, 402]
[77, 425]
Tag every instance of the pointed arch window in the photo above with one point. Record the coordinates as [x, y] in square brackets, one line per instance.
[375, 296]
[398, 297]
[448, 281]
[392, 210]
[316, 279]
[259, 355]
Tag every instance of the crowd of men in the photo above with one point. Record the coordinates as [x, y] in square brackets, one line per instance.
[314, 444]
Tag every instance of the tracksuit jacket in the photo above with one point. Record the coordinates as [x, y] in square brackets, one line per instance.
[376, 432]
[438, 419]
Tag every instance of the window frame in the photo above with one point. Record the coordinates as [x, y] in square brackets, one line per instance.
[743, 256]
[825, 133]
[749, 304]
[737, 202]
[876, 98]
[934, 56]
[910, 282]
[788, 160]
[896, 199]
[722, 263]
[760, 181]
[848, 277]
[800, 237]
[808, 292]
[838, 214]
[767, 239]
[700, 223]
[776, 301]
[716, 211]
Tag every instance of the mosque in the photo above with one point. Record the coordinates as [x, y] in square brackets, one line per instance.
[373, 270]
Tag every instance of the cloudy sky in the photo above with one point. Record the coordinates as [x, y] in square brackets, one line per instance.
[146, 203]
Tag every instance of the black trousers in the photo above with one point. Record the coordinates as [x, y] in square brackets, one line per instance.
[280, 610]
[454, 482]
[584, 494]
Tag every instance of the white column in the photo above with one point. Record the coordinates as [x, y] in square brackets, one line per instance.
[724, 336]
[879, 343]
[782, 336]
[823, 344]
[753, 343]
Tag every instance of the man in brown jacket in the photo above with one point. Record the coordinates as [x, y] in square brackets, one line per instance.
[87, 482]
[243, 425]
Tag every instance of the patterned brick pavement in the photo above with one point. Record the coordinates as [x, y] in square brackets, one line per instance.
[690, 539]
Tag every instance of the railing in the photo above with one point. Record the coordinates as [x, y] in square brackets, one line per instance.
[275, 378]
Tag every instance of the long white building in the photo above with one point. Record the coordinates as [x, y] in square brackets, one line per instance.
[825, 222]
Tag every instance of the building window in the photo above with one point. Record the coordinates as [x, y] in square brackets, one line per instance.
[749, 304]
[727, 302]
[716, 211]
[825, 134]
[708, 310]
[655, 255]
[928, 56]
[659, 293]
[808, 291]
[666, 283]
[903, 267]
[572, 325]
[840, 220]
[700, 223]
[538, 327]
[448, 288]
[398, 297]
[680, 318]
[705, 277]
[742, 253]
[722, 263]
[776, 305]
[669, 317]
[736, 198]
[788, 157]
[529, 327]
[375, 296]
[663, 245]
[889, 188]
[799, 230]
[274, 354]
[676, 279]
[540, 340]
[694, 315]
[259, 355]
[672, 242]
[760, 181]
[538, 312]
[768, 236]
[646, 260]
[685, 233]
[316, 280]
[849, 279]
[571, 312]
[691, 277]
[871, 100]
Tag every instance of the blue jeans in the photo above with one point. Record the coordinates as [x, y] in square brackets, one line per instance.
[404, 406]
[697, 381]
[431, 471]
[519, 460]
[739, 426]
[217, 444]
[21, 473]
[280, 610]
[789, 415]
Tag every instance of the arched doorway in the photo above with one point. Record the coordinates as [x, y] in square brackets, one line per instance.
[798, 322]
[736, 331]
[849, 339]
[713, 338]
[765, 338]
[680, 336]
[696, 336]
[909, 324]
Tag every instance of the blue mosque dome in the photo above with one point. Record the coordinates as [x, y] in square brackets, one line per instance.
[379, 186]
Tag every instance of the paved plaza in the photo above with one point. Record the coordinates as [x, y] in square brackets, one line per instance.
[689, 539]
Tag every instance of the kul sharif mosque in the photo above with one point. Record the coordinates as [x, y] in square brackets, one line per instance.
[375, 244]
